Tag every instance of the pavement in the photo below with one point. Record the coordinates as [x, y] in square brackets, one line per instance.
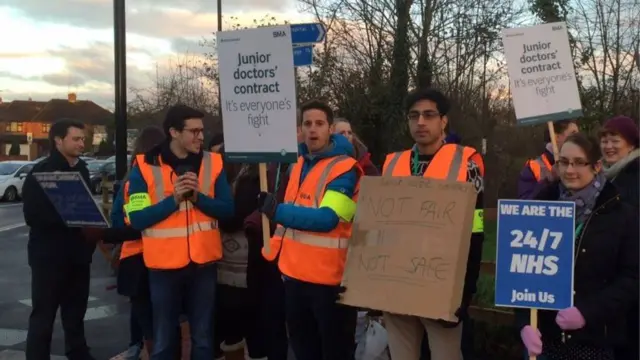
[107, 317]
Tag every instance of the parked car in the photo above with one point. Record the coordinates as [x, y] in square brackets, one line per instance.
[12, 175]
[95, 166]
[106, 167]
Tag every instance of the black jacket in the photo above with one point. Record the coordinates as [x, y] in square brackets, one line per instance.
[628, 182]
[606, 273]
[50, 240]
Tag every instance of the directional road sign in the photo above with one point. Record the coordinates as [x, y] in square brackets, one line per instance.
[307, 33]
[303, 55]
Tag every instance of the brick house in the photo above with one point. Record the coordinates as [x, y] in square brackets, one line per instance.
[20, 117]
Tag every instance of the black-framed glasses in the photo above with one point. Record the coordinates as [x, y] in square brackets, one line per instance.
[194, 131]
[427, 115]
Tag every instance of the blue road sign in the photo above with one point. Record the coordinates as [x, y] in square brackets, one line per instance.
[307, 33]
[535, 252]
[71, 198]
[303, 55]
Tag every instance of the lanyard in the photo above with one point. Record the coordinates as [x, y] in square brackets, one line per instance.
[416, 158]
[579, 229]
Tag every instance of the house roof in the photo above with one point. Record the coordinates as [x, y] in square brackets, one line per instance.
[85, 111]
[20, 110]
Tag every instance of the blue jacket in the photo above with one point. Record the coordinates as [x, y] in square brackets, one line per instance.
[117, 213]
[322, 219]
[221, 207]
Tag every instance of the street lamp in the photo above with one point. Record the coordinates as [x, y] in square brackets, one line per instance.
[120, 86]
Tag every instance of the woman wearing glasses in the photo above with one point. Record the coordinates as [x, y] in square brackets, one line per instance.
[606, 262]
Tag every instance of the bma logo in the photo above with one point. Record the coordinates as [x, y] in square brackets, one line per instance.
[557, 27]
[279, 33]
[305, 196]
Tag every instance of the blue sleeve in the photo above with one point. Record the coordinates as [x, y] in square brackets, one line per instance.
[221, 206]
[153, 214]
[318, 220]
[117, 213]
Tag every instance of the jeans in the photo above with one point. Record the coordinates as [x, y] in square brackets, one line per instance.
[65, 286]
[319, 328]
[196, 286]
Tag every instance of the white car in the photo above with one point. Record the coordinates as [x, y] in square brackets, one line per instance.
[12, 175]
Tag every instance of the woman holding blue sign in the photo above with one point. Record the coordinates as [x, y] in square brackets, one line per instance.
[606, 262]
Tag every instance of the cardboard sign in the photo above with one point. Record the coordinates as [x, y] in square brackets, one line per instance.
[535, 254]
[409, 246]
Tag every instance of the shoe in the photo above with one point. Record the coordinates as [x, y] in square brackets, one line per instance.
[133, 353]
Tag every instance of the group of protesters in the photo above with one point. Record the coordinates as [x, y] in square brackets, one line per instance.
[190, 225]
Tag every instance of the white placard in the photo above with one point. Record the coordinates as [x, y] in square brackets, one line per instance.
[541, 72]
[258, 94]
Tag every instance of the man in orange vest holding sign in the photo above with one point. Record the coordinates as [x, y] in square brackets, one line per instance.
[177, 192]
[430, 157]
[311, 238]
[541, 168]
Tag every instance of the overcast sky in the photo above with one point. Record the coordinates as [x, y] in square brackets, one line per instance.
[49, 48]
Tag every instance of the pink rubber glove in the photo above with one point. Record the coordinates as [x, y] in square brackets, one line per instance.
[532, 340]
[570, 319]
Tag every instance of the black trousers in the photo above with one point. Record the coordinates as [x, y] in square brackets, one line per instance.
[62, 285]
[319, 328]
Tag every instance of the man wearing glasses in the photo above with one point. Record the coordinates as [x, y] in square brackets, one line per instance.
[431, 157]
[177, 193]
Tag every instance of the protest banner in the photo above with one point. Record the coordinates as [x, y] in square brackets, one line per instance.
[258, 94]
[258, 99]
[535, 252]
[72, 199]
[409, 246]
[543, 81]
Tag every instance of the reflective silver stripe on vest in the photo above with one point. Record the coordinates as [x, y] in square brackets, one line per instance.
[325, 175]
[306, 238]
[205, 185]
[181, 231]
[454, 168]
[312, 239]
[544, 172]
[392, 164]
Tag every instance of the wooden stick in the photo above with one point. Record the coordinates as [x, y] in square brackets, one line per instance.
[266, 231]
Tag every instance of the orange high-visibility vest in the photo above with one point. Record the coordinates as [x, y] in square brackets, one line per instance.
[313, 257]
[187, 235]
[540, 166]
[449, 163]
[131, 247]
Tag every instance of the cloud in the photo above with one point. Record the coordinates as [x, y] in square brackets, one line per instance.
[147, 17]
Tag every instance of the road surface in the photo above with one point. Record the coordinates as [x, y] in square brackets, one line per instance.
[106, 321]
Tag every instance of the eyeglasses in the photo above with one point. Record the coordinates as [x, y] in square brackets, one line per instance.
[577, 163]
[427, 115]
[194, 131]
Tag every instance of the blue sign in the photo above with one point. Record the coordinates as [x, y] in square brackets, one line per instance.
[307, 33]
[72, 199]
[535, 252]
[303, 55]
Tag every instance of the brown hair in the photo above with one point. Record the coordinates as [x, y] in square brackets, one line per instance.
[149, 137]
[588, 145]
